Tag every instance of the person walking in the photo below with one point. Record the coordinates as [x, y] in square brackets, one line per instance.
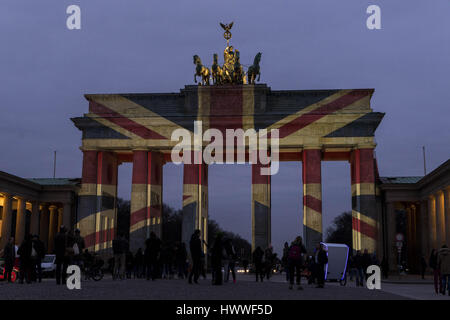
[423, 266]
[295, 262]
[433, 263]
[358, 263]
[352, 271]
[152, 254]
[245, 265]
[268, 259]
[195, 246]
[444, 267]
[258, 256]
[9, 254]
[216, 259]
[385, 267]
[167, 256]
[37, 254]
[129, 263]
[25, 252]
[311, 267]
[180, 260]
[119, 258]
[322, 260]
[138, 264]
[284, 260]
[231, 257]
[366, 262]
[79, 247]
[61, 260]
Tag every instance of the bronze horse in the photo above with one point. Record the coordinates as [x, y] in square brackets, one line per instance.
[238, 72]
[201, 71]
[253, 70]
[217, 71]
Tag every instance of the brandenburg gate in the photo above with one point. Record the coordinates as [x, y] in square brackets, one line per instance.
[313, 126]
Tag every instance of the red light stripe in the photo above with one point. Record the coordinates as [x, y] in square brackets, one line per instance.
[126, 123]
[364, 228]
[320, 112]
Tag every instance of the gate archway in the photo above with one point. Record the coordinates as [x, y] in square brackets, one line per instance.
[314, 125]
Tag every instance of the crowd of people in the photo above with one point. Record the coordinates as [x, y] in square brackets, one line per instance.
[439, 263]
[158, 260]
[357, 266]
[28, 256]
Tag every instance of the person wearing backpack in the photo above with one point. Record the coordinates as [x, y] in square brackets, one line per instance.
[295, 261]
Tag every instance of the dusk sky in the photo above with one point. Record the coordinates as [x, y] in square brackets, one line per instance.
[147, 46]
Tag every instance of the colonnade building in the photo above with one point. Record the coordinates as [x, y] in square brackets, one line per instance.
[36, 206]
[419, 209]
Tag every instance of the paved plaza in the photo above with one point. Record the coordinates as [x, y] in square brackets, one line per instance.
[244, 289]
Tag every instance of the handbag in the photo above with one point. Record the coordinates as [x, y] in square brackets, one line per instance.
[76, 250]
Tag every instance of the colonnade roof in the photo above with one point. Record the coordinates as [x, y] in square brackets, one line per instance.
[416, 187]
[400, 180]
[56, 181]
[37, 188]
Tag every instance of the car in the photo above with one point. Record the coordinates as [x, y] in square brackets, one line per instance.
[48, 265]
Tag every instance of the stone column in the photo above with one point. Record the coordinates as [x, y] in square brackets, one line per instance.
[423, 227]
[154, 192]
[138, 206]
[67, 215]
[261, 208]
[7, 219]
[53, 227]
[44, 223]
[440, 218]
[97, 198]
[447, 214]
[106, 213]
[413, 255]
[87, 199]
[391, 232]
[146, 197]
[34, 227]
[432, 223]
[20, 220]
[60, 220]
[312, 197]
[364, 210]
[195, 201]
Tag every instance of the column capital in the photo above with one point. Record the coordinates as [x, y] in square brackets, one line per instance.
[88, 149]
[364, 146]
[438, 193]
[53, 207]
[6, 194]
[312, 147]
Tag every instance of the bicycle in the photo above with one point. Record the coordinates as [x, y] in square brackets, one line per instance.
[94, 271]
